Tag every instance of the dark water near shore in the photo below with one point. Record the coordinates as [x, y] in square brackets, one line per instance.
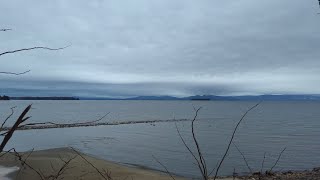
[269, 128]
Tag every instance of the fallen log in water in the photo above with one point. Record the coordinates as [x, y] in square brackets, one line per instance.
[51, 125]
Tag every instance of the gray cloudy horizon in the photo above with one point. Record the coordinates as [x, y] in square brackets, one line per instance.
[179, 48]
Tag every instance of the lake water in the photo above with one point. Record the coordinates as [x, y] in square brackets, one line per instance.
[268, 129]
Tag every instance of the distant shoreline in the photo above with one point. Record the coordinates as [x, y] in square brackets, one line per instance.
[43, 98]
[172, 98]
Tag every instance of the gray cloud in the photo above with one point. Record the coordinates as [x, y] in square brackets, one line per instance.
[126, 48]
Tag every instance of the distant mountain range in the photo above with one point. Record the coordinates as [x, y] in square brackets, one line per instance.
[43, 98]
[220, 98]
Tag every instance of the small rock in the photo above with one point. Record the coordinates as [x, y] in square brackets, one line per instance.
[316, 169]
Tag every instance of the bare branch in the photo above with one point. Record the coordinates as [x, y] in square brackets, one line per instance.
[40, 174]
[231, 139]
[102, 175]
[64, 124]
[164, 167]
[234, 174]
[244, 158]
[185, 144]
[262, 164]
[202, 159]
[9, 134]
[62, 169]
[107, 173]
[278, 159]
[8, 117]
[7, 152]
[23, 162]
[28, 49]
[5, 29]
[50, 125]
[213, 169]
[3, 134]
[17, 74]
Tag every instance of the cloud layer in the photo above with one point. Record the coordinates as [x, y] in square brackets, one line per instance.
[182, 47]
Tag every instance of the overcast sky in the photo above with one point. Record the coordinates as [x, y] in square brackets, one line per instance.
[161, 47]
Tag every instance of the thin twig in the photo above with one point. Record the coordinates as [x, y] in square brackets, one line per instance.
[231, 139]
[32, 48]
[107, 173]
[102, 175]
[28, 165]
[185, 144]
[5, 29]
[168, 172]
[9, 134]
[234, 174]
[17, 74]
[63, 168]
[8, 117]
[23, 162]
[7, 152]
[244, 158]
[213, 169]
[278, 159]
[262, 164]
[202, 159]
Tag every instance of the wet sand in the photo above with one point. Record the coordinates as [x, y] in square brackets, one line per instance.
[49, 162]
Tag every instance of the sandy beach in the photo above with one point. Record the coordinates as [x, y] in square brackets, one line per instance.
[67, 164]
[49, 163]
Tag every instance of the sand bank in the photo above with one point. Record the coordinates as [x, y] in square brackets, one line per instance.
[49, 162]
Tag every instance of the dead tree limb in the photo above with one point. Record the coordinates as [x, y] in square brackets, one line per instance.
[231, 139]
[19, 121]
[7, 152]
[188, 148]
[62, 169]
[202, 159]
[5, 29]
[234, 174]
[107, 173]
[244, 158]
[38, 172]
[57, 174]
[64, 124]
[213, 169]
[106, 177]
[23, 162]
[262, 164]
[8, 117]
[51, 125]
[56, 125]
[13, 73]
[167, 171]
[278, 159]
[32, 48]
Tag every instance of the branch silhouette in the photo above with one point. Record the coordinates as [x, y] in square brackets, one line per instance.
[5, 29]
[32, 48]
[231, 139]
[12, 73]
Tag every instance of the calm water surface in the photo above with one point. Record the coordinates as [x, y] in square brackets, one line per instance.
[268, 129]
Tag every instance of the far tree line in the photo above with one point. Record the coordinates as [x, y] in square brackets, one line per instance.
[4, 98]
[38, 98]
